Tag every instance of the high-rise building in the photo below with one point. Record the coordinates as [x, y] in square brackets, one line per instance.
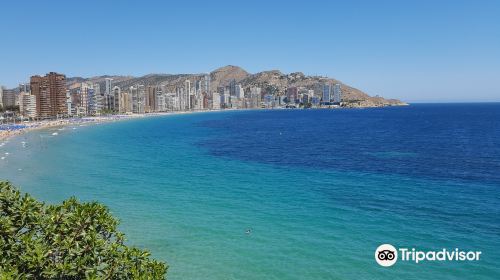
[226, 99]
[138, 94]
[50, 93]
[239, 92]
[86, 92]
[27, 105]
[216, 100]
[326, 93]
[109, 97]
[207, 83]
[337, 93]
[255, 97]
[292, 94]
[69, 103]
[197, 86]
[125, 103]
[109, 86]
[1, 96]
[9, 98]
[116, 96]
[232, 87]
[99, 100]
[150, 105]
[187, 93]
[24, 87]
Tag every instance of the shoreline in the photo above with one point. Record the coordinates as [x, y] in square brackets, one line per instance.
[21, 128]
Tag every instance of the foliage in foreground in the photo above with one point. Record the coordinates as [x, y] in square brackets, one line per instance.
[69, 241]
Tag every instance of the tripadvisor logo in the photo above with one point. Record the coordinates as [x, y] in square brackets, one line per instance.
[388, 255]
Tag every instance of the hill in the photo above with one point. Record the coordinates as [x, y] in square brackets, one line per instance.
[270, 81]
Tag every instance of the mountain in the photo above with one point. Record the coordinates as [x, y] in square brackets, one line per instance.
[273, 81]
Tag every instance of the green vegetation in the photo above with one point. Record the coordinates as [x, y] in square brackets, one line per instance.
[72, 240]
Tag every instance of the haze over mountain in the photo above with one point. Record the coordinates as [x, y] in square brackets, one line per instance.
[273, 81]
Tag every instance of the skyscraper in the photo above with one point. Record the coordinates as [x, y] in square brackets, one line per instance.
[255, 97]
[326, 92]
[216, 101]
[9, 98]
[138, 95]
[207, 83]
[239, 92]
[109, 86]
[109, 97]
[50, 93]
[232, 87]
[150, 99]
[337, 93]
[187, 93]
[116, 95]
[1, 96]
[27, 105]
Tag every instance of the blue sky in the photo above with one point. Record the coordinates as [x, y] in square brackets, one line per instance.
[412, 50]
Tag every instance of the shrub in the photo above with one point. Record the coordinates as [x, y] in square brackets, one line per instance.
[72, 240]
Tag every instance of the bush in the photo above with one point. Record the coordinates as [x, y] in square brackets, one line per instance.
[69, 241]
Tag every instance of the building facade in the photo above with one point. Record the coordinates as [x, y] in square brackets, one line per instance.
[27, 105]
[50, 95]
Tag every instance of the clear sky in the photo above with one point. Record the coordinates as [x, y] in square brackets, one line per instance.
[413, 50]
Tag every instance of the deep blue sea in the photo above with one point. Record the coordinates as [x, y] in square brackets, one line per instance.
[319, 189]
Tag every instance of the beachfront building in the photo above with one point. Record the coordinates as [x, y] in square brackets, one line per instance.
[199, 101]
[173, 102]
[150, 99]
[9, 98]
[327, 89]
[27, 105]
[206, 84]
[69, 103]
[125, 103]
[337, 93]
[255, 97]
[240, 93]
[187, 94]
[91, 101]
[108, 96]
[116, 95]
[1, 96]
[50, 93]
[232, 87]
[216, 100]
[138, 99]
[99, 101]
[83, 106]
[226, 98]
[161, 102]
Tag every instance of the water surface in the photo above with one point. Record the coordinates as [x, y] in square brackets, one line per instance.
[319, 189]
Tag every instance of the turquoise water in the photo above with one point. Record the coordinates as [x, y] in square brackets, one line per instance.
[187, 187]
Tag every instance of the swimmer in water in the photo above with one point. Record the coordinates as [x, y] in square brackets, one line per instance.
[248, 231]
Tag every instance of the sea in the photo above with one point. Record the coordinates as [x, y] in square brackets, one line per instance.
[285, 194]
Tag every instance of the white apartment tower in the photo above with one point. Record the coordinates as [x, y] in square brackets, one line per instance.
[27, 105]
[216, 101]
[337, 93]
[187, 92]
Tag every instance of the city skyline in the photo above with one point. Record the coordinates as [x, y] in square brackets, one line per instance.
[452, 55]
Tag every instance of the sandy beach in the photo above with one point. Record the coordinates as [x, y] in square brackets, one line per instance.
[10, 130]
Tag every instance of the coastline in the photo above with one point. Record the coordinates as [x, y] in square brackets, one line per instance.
[21, 128]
